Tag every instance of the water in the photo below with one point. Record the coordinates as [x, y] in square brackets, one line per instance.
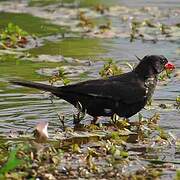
[21, 108]
[17, 107]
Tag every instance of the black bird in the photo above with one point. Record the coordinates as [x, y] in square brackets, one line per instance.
[124, 94]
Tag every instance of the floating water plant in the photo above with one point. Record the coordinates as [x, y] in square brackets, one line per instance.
[61, 75]
[134, 25]
[177, 104]
[101, 8]
[13, 36]
[110, 69]
[84, 20]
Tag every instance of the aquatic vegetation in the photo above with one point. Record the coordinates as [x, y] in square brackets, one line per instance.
[85, 21]
[177, 174]
[110, 69]
[42, 3]
[11, 163]
[31, 24]
[163, 28]
[82, 3]
[74, 148]
[101, 8]
[61, 75]
[134, 30]
[13, 36]
[92, 153]
[18, 67]
[177, 104]
[81, 48]
[147, 30]
[33, 156]
[105, 27]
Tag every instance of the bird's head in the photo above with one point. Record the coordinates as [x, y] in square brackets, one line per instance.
[153, 65]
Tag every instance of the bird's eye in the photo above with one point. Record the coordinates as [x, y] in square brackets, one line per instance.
[163, 60]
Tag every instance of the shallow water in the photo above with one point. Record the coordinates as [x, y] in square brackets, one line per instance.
[21, 108]
[15, 108]
[119, 49]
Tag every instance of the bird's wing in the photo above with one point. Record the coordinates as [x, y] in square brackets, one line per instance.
[117, 89]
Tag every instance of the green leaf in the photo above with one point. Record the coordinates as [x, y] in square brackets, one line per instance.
[124, 154]
[12, 162]
[177, 174]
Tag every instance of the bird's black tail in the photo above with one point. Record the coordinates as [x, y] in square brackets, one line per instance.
[44, 87]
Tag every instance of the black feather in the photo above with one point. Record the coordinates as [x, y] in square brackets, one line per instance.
[125, 94]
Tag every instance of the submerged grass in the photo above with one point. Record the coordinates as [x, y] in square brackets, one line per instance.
[31, 24]
[81, 3]
[71, 47]
[13, 67]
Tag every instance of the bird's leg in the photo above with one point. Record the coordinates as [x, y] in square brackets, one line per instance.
[114, 118]
[95, 119]
[80, 114]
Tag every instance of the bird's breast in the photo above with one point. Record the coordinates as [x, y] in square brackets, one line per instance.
[150, 85]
